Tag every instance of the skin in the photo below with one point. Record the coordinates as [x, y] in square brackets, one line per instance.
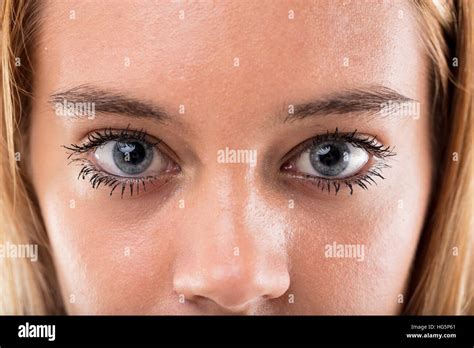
[280, 267]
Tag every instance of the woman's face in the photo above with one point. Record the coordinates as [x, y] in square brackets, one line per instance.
[241, 159]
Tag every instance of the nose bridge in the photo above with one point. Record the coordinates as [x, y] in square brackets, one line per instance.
[228, 259]
[218, 229]
[219, 200]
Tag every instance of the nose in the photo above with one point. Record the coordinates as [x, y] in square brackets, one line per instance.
[227, 257]
[233, 285]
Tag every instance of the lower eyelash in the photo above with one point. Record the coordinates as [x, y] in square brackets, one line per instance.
[362, 180]
[96, 177]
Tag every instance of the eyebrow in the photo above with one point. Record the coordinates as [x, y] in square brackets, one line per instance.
[369, 100]
[108, 102]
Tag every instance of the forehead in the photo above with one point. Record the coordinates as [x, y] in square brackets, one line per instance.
[242, 48]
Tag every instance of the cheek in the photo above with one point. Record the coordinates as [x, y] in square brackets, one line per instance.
[353, 253]
[386, 221]
[108, 255]
[105, 249]
[353, 259]
[110, 259]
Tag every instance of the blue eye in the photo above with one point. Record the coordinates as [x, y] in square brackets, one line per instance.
[332, 159]
[123, 160]
[132, 157]
[129, 158]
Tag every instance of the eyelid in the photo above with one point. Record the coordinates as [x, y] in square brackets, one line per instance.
[299, 149]
[100, 177]
[356, 138]
[377, 152]
[109, 134]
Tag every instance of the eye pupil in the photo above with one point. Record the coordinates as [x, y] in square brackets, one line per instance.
[132, 157]
[133, 152]
[328, 158]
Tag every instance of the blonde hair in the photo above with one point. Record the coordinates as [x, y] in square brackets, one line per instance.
[25, 286]
[441, 281]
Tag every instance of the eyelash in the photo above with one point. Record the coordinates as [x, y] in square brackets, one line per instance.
[96, 176]
[364, 180]
[96, 139]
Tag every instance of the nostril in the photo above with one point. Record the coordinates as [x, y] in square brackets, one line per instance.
[232, 292]
[234, 285]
